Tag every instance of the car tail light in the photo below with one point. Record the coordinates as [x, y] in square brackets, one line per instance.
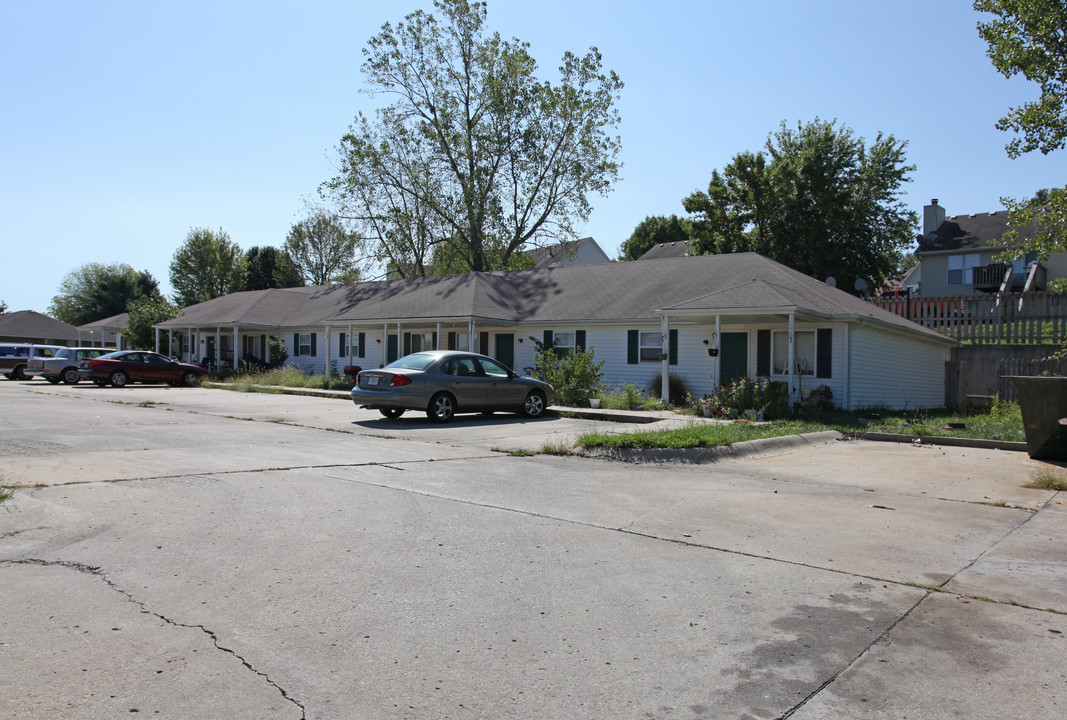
[399, 380]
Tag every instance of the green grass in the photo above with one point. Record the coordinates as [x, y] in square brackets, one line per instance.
[1002, 422]
[1048, 480]
[285, 377]
[6, 493]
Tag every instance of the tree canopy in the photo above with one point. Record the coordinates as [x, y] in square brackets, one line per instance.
[268, 267]
[95, 291]
[817, 199]
[1029, 38]
[322, 251]
[207, 265]
[474, 151]
[652, 231]
[144, 313]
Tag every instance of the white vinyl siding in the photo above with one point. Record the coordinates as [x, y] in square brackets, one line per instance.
[895, 371]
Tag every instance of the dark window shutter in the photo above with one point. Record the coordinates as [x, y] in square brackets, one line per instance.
[451, 341]
[633, 350]
[407, 343]
[390, 348]
[362, 345]
[314, 352]
[672, 345]
[296, 344]
[579, 340]
[483, 343]
[763, 353]
[342, 351]
[824, 353]
[548, 340]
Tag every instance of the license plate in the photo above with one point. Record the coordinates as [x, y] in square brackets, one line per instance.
[372, 380]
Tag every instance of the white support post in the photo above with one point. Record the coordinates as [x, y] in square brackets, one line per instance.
[170, 342]
[236, 344]
[157, 338]
[472, 337]
[437, 338]
[716, 379]
[385, 344]
[794, 389]
[326, 363]
[349, 341]
[218, 347]
[665, 348]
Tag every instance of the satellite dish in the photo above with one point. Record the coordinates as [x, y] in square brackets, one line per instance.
[831, 281]
[861, 285]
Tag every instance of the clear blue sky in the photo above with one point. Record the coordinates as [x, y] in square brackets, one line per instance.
[125, 124]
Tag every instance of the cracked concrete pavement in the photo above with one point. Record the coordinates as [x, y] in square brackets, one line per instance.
[200, 553]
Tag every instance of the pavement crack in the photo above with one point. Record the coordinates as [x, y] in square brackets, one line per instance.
[98, 572]
[829, 681]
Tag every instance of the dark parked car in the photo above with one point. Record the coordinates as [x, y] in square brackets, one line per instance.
[444, 382]
[127, 366]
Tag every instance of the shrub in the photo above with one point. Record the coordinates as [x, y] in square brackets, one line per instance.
[760, 394]
[677, 391]
[278, 355]
[576, 376]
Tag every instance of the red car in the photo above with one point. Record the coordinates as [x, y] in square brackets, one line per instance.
[127, 366]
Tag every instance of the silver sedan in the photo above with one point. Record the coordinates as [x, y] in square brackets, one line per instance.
[445, 382]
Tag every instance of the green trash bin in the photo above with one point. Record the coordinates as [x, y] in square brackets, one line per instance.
[1043, 401]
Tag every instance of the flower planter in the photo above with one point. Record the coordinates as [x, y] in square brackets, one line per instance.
[1043, 401]
[594, 403]
[707, 412]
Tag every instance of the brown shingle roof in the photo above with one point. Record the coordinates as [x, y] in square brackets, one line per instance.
[31, 325]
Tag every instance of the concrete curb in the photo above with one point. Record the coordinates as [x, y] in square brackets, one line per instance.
[703, 456]
[952, 441]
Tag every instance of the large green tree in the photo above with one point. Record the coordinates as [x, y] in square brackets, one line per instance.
[1029, 38]
[474, 151]
[144, 314]
[817, 198]
[95, 291]
[652, 231]
[207, 265]
[323, 251]
[269, 267]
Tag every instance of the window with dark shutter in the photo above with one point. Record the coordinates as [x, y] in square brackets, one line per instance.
[824, 353]
[763, 353]
[633, 347]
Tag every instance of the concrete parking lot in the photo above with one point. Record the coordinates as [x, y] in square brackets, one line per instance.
[200, 553]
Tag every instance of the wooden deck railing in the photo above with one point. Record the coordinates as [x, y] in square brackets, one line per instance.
[1021, 318]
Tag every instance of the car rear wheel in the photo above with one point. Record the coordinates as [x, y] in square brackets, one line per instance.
[16, 373]
[442, 408]
[70, 376]
[191, 379]
[119, 378]
[534, 405]
[391, 413]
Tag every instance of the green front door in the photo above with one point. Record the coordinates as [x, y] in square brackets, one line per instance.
[505, 349]
[733, 357]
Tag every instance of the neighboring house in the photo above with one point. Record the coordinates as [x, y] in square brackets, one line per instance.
[585, 251]
[29, 326]
[706, 319]
[957, 255]
[104, 333]
[666, 250]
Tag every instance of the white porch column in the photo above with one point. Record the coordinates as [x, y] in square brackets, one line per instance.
[399, 341]
[717, 365]
[665, 347]
[157, 338]
[385, 344]
[326, 365]
[792, 359]
[349, 340]
[437, 338]
[170, 343]
[472, 336]
[236, 344]
[218, 347]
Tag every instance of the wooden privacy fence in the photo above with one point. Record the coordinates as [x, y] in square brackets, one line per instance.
[1019, 366]
[1011, 318]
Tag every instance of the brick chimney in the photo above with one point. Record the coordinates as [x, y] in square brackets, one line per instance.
[933, 216]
